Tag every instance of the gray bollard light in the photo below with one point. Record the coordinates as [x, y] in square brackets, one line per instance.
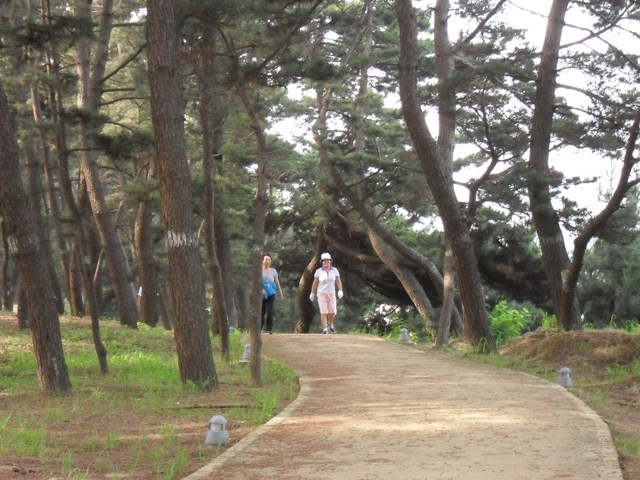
[246, 355]
[404, 336]
[217, 433]
[565, 377]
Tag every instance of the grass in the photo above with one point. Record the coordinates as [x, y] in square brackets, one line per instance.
[138, 421]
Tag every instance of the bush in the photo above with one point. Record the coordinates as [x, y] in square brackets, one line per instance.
[507, 322]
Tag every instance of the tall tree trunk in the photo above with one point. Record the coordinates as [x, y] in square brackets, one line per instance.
[243, 296]
[166, 307]
[407, 279]
[9, 280]
[383, 251]
[51, 195]
[88, 288]
[367, 215]
[307, 308]
[446, 143]
[212, 122]
[36, 194]
[439, 178]
[18, 216]
[581, 242]
[442, 337]
[91, 79]
[143, 244]
[193, 343]
[382, 240]
[261, 202]
[545, 218]
[562, 272]
[68, 202]
[223, 248]
[73, 283]
[23, 314]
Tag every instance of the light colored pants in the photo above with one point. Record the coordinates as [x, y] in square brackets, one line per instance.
[327, 303]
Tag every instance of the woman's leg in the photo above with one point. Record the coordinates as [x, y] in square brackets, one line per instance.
[327, 304]
[270, 307]
[330, 317]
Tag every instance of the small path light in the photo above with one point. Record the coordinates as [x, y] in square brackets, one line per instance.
[217, 433]
[565, 377]
[404, 336]
[246, 355]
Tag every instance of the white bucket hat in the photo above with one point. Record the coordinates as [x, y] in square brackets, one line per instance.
[325, 256]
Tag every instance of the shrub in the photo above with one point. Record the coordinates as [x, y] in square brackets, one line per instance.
[549, 322]
[507, 322]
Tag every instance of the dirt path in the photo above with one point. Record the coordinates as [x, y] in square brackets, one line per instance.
[370, 409]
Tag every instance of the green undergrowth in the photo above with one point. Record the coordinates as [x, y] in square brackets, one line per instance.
[139, 420]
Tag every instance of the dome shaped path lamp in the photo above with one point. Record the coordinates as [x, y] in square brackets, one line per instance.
[404, 336]
[246, 354]
[217, 433]
[565, 377]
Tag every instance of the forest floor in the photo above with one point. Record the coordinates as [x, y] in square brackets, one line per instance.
[592, 357]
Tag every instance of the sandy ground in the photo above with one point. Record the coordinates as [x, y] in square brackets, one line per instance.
[370, 409]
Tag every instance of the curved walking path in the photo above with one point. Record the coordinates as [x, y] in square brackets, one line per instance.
[370, 409]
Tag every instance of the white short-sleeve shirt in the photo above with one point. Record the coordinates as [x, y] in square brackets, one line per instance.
[327, 279]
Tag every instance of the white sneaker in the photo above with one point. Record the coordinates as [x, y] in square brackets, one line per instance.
[325, 330]
[332, 329]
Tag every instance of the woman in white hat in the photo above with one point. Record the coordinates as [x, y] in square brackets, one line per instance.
[325, 281]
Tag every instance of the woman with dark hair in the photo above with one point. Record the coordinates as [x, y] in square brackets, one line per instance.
[270, 288]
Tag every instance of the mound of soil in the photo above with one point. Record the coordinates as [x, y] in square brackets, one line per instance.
[595, 349]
